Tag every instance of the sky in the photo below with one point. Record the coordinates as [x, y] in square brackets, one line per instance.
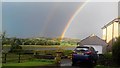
[49, 19]
[59, 0]
[0, 18]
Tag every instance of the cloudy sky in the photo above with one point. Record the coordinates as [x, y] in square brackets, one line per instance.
[49, 19]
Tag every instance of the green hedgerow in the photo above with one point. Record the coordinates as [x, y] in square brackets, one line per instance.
[116, 51]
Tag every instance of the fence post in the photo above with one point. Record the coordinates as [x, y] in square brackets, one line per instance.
[5, 57]
[58, 58]
[19, 58]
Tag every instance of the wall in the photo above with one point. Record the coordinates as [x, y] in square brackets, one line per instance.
[115, 30]
[104, 34]
[109, 33]
[119, 29]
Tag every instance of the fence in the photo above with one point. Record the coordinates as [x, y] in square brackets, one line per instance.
[28, 55]
[15, 58]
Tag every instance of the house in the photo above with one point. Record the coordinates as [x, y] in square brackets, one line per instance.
[111, 31]
[94, 41]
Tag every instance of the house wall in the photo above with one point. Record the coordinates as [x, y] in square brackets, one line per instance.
[119, 29]
[109, 33]
[115, 33]
[104, 34]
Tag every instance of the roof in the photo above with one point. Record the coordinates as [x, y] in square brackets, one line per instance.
[117, 20]
[92, 40]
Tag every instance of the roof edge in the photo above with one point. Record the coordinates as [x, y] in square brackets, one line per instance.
[115, 20]
[95, 36]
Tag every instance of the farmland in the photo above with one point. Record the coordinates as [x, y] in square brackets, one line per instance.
[40, 47]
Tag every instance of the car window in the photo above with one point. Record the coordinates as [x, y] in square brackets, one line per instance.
[92, 49]
[81, 49]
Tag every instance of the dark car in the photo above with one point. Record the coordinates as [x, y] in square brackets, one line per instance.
[84, 55]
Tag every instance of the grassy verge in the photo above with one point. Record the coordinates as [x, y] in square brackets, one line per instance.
[102, 66]
[7, 46]
[35, 62]
[14, 58]
[37, 47]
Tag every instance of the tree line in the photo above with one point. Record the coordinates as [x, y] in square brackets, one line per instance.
[29, 41]
[38, 41]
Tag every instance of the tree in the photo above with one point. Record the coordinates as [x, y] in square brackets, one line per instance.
[15, 45]
[116, 51]
[3, 35]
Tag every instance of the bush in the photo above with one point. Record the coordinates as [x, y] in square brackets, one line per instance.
[15, 46]
[67, 52]
[108, 55]
[116, 51]
[46, 52]
[105, 59]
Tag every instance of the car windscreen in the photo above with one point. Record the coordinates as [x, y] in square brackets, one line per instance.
[81, 49]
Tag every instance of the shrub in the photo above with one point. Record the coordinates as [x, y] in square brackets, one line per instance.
[108, 55]
[105, 59]
[67, 52]
[15, 46]
[116, 51]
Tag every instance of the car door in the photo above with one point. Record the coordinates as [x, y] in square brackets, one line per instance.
[94, 53]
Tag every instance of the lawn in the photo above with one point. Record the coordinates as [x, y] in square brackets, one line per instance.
[102, 66]
[42, 46]
[35, 62]
[14, 58]
[26, 60]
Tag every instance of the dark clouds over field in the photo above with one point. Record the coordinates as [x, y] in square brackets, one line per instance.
[48, 19]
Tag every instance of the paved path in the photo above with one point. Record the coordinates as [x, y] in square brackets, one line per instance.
[66, 62]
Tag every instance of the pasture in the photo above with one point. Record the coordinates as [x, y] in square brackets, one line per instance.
[6, 48]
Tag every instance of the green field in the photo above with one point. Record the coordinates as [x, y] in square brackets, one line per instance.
[26, 60]
[43, 45]
[35, 62]
[102, 66]
[14, 58]
[6, 48]
[29, 60]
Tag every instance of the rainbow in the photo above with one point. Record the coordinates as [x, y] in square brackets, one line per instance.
[48, 18]
[72, 18]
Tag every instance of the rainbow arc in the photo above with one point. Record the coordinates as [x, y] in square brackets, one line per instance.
[72, 18]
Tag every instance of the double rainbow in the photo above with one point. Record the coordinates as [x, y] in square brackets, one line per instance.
[72, 18]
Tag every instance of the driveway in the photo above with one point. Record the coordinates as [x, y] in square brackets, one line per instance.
[67, 63]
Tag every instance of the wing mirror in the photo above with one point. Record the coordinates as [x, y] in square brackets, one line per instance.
[96, 51]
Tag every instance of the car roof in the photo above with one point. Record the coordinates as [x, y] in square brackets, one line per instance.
[82, 47]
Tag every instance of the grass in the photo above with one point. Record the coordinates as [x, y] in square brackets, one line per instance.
[41, 46]
[46, 46]
[36, 47]
[26, 61]
[102, 66]
[35, 62]
[13, 58]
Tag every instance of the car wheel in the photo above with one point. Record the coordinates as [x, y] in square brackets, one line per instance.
[73, 64]
[94, 63]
